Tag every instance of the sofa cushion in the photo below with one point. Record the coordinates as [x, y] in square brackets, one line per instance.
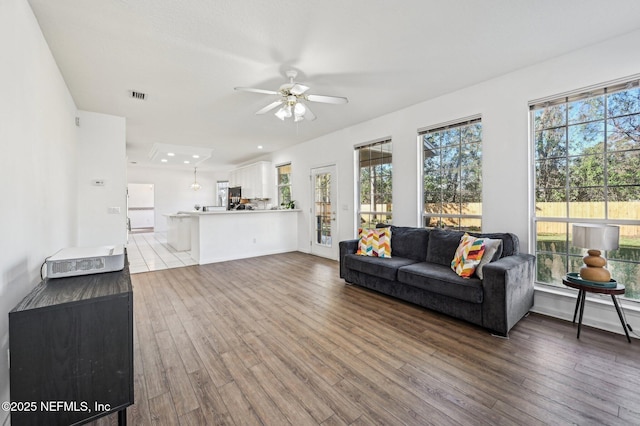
[386, 268]
[442, 246]
[442, 280]
[410, 243]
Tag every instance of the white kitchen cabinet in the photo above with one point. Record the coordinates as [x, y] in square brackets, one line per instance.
[255, 179]
[248, 182]
[233, 178]
[267, 180]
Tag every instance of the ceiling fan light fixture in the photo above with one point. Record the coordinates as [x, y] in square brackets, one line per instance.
[299, 109]
[290, 96]
[284, 112]
[281, 113]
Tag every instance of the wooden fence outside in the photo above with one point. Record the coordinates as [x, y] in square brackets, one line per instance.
[629, 210]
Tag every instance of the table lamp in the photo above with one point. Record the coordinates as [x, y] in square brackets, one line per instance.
[595, 238]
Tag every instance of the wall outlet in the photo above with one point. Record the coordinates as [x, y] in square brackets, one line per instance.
[113, 210]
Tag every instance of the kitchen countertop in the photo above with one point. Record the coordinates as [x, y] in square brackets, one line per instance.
[236, 212]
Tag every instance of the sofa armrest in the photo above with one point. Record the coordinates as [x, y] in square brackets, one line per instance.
[508, 291]
[346, 247]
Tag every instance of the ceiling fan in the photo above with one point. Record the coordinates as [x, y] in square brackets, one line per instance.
[290, 99]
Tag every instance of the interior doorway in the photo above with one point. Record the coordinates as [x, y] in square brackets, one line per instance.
[140, 207]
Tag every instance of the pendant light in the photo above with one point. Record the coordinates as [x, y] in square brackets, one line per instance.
[195, 185]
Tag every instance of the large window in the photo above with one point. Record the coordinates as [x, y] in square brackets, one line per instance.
[284, 184]
[452, 175]
[586, 151]
[222, 189]
[374, 183]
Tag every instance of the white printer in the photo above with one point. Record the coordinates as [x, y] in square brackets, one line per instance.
[73, 261]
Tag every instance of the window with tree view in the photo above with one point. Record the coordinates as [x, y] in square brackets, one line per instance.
[375, 183]
[452, 176]
[284, 184]
[587, 170]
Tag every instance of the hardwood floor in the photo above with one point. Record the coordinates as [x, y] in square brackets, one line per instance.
[281, 339]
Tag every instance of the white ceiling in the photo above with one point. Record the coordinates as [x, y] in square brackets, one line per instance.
[188, 55]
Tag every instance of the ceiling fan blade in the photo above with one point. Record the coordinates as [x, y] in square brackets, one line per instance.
[269, 107]
[327, 99]
[309, 115]
[251, 89]
[298, 89]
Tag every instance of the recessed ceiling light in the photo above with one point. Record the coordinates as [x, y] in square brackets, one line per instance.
[186, 161]
[179, 153]
[259, 146]
[164, 160]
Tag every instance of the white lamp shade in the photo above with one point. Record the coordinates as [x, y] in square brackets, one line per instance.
[300, 109]
[281, 113]
[598, 237]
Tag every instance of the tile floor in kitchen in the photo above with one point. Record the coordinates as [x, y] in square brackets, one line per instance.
[150, 252]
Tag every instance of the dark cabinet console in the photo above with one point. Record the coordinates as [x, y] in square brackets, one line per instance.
[71, 350]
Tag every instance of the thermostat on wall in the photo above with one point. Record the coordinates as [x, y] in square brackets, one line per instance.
[74, 261]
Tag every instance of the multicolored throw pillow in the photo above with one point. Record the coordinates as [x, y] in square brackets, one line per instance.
[374, 242]
[468, 255]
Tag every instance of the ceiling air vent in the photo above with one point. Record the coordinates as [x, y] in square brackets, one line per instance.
[138, 95]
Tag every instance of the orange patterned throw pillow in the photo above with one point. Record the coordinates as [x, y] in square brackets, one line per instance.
[468, 255]
[374, 242]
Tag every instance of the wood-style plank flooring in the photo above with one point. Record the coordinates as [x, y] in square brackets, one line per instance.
[280, 340]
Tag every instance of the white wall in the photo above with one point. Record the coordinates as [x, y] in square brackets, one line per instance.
[102, 156]
[37, 165]
[141, 195]
[141, 203]
[503, 104]
[172, 189]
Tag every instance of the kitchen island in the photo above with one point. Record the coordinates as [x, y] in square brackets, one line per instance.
[237, 234]
[178, 231]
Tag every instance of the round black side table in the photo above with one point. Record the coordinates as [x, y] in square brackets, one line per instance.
[583, 289]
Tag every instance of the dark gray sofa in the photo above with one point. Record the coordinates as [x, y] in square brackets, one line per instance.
[419, 272]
